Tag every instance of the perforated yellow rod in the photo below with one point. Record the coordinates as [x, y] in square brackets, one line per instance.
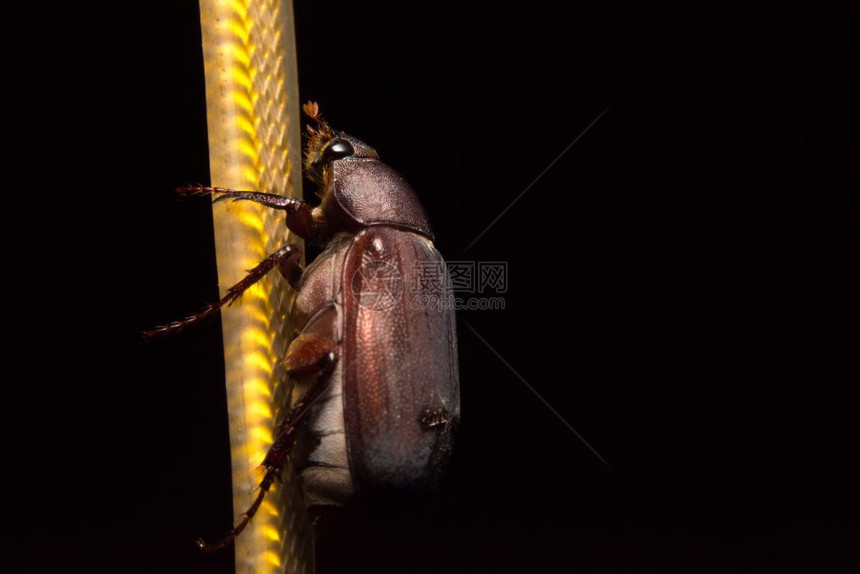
[254, 144]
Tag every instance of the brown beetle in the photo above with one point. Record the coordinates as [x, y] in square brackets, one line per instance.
[382, 392]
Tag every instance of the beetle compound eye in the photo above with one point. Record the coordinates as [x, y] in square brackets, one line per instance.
[338, 149]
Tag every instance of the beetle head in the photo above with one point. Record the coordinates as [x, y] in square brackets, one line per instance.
[327, 145]
[357, 189]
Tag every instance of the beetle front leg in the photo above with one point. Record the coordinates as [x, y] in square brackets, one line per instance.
[286, 259]
[309, 354]
[300, 217]
[268, 199]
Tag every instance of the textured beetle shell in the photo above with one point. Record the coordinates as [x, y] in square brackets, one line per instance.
[371, 193]
[399, 365]
[387, 419]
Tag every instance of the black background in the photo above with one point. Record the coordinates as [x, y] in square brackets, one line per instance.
[682, 284]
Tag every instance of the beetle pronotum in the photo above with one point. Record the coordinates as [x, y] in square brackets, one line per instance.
[381, 388]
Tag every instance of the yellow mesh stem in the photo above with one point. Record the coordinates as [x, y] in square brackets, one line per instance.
[254, 144]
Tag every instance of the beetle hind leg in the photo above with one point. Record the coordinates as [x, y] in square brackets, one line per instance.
[309, 355]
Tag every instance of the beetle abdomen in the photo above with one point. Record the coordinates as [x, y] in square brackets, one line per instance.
[400, 379]
[324, 461]
[326, 475]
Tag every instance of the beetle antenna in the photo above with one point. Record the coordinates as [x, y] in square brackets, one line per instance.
[318, 137]
[312, 110]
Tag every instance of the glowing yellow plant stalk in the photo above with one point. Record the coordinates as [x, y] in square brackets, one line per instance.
[254, 143]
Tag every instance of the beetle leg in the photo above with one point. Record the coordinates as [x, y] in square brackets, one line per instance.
[291, 270]
[287, 260]
[223, 193]
[308, 353]
[300, 219]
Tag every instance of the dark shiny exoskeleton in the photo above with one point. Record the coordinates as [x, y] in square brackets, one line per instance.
[382, 393]
[397, 364]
